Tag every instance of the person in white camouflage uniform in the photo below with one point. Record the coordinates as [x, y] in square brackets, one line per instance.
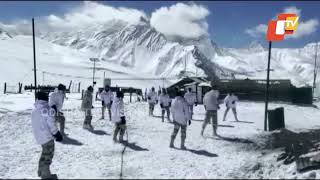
[211, 105]
[106, 99]
[191, 99]
[152, 100]
[165, 104]
[181, 117]
[231, 103]
[86, 106]
[45, 131]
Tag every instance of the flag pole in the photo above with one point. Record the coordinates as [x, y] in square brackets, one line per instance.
[315, 69]
[34, 61]
[267, 90]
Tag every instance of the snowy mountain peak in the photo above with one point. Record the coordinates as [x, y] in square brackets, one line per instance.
[255, 46]
[4, 35]
[211, 69]
[313, 46]
[310, 50]
[144, 20]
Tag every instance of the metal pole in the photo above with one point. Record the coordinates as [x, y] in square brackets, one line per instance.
[185, 64]
[42, 78]
[34, 60]
[267, 90]
[315, 69]
[5, 88]
[94, 69]
[162, 82]
[196, 71]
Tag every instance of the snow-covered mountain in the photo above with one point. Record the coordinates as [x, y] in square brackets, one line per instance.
[296, 64]
[138, 50]
[4, 35]
[255, 46]
[140, 47]
[137, 46]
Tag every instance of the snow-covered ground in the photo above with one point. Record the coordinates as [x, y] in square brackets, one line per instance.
[237, 154]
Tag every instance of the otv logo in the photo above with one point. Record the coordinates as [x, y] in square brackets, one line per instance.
[285, 24]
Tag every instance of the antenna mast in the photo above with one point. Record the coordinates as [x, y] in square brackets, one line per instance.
[315, 68]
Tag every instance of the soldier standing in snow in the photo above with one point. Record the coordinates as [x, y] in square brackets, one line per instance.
[106, 98]
[86, 106]
[191, 100]
[118, 116]
[152, 100]
[45, 131]
[181, 117]
[56, 102]
[211, 105]
[165, 104]
[230, 102]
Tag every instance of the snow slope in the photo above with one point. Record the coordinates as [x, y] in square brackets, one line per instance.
[61, 64]
[94, 155]
[294, 64]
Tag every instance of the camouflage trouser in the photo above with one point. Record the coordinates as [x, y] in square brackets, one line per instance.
[107, 106]
[151, 108]
[88, 116]
[46, 159]
[176, 128]
[119, 128]
[211, 114]
[191, 109]
[234, 110]
[59, 117]
[163, 110]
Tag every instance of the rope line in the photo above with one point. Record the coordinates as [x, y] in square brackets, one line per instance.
[83, 77]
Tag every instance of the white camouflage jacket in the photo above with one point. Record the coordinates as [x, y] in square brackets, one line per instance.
[117, 110]
[43, 123]
[180, 111]
[57, 98]
[107, 97]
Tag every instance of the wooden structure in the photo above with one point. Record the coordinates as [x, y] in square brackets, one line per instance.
[47, 88]
[189, 82]
[247, 89]
[125, 90]
[12, 88]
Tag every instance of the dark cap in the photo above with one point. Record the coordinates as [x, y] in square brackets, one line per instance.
[119, 94]
[214, 86]
[42, 96]
[90, 88]
[178, 92]
[61, 87]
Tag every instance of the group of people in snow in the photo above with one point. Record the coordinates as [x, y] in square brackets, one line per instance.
[115, 106]
[47, 112]
[182, 109]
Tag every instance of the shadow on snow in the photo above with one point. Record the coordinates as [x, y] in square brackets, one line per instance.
[133, 146]
[68, 140]
[199, 152]
[232, 139]
[99, 132]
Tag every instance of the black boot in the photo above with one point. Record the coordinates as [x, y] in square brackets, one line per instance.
[172, 142]
[182, 144]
